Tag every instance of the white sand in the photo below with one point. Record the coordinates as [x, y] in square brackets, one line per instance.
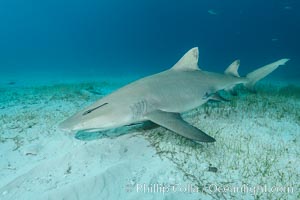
[258, 141]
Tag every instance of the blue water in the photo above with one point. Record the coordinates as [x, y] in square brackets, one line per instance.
[112, 37]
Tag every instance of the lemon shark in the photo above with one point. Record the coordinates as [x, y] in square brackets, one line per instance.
[161, 98]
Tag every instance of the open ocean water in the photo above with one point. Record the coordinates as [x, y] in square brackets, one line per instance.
[48, 39]
[57, 57]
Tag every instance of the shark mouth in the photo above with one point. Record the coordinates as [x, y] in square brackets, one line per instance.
[93, 109]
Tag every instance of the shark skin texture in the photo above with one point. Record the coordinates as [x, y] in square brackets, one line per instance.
[160, 98]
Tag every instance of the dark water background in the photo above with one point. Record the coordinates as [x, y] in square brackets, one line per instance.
[52, 38]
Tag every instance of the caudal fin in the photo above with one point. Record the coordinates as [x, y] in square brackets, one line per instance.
[262, 72]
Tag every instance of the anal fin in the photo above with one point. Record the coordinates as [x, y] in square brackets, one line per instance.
[175, 123]
[217, 97]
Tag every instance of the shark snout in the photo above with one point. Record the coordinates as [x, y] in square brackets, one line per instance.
[69, 126]
[75, 124]
[95, 118]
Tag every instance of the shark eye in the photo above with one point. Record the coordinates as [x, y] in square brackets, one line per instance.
[206, 95]
[93, 109]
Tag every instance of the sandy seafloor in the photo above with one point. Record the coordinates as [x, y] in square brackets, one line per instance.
[258, 144]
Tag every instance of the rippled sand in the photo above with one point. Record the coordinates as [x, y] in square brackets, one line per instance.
[258, 144]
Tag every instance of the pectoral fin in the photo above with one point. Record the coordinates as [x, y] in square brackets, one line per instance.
[175, 123]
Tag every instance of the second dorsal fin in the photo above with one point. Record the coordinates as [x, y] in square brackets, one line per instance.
[233, 69]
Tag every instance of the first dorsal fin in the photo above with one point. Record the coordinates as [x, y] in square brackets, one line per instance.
[233, 69]
[189, 61]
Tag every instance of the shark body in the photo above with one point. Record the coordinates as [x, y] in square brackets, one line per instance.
[161, 98]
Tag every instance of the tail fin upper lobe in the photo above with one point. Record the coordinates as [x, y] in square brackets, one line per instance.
[262, 72]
